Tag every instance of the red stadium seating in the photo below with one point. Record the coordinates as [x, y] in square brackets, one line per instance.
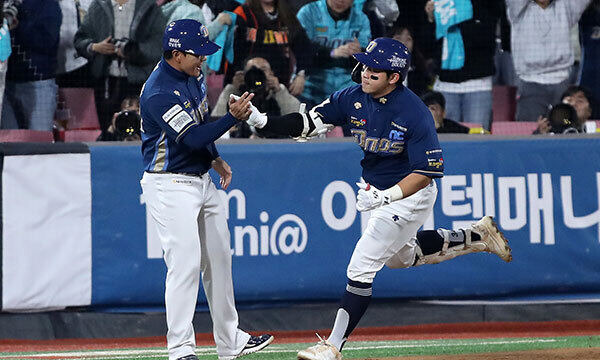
[26, 136]
[214, 86]
[81, 135]
[77, 107]
[504, 100]
[513, 128]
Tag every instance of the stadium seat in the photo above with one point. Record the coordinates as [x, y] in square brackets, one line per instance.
[76, 108]
[504, 103]
[214, 86]
[513, 128]
[26, 136]
[81, 135]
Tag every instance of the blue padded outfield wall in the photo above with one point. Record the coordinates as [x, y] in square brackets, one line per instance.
[293, 222]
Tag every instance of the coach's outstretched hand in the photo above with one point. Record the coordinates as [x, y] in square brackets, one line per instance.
[239, 107]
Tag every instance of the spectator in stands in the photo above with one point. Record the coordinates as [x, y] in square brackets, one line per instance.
[542, 52]
[589, 36]
[269, 27]
[218, 6]
[423, 24]
[337, 29]
[30, 94]
[10, 12]
[192, 9]
[122, 40]
[71, 68]
[214, 6]
[270, 96]
[375, 18]
[505, 67]
[5, 48]
[125, 124]
[581, 99]
[382, 14]
[467, 40]
[436, 103]
[418, 78]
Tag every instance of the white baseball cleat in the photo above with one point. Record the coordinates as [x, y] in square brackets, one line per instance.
[492, 237]
[324, 350]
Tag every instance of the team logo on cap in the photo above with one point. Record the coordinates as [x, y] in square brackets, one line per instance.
[203, 31]
[371, 46]
[397, 62]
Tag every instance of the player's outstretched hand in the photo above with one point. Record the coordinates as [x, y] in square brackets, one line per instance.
[256, 118]
[240, 107]
[224, 171]
[369, 197]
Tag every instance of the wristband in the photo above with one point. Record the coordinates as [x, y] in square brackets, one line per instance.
[394, 193]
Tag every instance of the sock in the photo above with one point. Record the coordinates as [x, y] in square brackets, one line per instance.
[431, 241]
[354, 303]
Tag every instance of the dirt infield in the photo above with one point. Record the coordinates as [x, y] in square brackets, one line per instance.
[488, 330]
[552, 354]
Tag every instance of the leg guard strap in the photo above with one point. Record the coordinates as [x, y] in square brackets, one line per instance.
[448, 253]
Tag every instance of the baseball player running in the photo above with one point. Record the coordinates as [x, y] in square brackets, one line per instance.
[401, 157]
[178, 149]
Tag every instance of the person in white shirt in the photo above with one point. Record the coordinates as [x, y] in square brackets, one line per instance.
[71, 70]
[541, 50]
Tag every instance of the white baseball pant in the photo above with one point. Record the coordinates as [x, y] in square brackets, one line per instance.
[192, 227]
[390, 236]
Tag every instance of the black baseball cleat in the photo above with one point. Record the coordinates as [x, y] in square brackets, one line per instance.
[256, 343]
[188, 357]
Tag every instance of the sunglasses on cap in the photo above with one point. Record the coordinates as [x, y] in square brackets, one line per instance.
[188, 53]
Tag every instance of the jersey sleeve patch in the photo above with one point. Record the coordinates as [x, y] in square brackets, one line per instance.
[171, 112]
[180, 121]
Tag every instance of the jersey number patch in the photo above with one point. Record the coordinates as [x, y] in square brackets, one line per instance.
[177, 118]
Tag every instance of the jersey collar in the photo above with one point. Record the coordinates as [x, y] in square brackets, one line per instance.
[172, 71]
[386, 98]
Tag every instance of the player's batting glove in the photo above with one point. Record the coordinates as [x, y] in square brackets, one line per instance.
[256, 119]
[369, 197]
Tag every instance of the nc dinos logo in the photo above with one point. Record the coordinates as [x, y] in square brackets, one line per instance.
[371, 46]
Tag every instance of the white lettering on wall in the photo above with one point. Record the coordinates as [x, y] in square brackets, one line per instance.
[338, 187]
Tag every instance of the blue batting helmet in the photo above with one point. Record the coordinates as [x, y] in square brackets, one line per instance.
[188, 36]
[386, 54]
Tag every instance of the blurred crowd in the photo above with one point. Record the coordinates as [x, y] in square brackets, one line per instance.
[290, 52]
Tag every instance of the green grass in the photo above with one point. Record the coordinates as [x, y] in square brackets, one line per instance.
[353, 350]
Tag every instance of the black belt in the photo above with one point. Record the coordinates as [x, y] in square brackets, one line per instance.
[174, 173]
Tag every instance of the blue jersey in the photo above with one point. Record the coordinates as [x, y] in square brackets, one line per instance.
[172, 106]
[396, 132]
[322, 29]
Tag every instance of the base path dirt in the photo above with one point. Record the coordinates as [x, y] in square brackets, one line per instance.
[550, 354]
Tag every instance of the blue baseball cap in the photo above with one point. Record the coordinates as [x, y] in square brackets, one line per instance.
[386, 54]
[188, 36]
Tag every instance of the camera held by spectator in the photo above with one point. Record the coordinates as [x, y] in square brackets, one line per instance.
[125, 125]
[563, 119]
[270, 96]
[255, 81]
